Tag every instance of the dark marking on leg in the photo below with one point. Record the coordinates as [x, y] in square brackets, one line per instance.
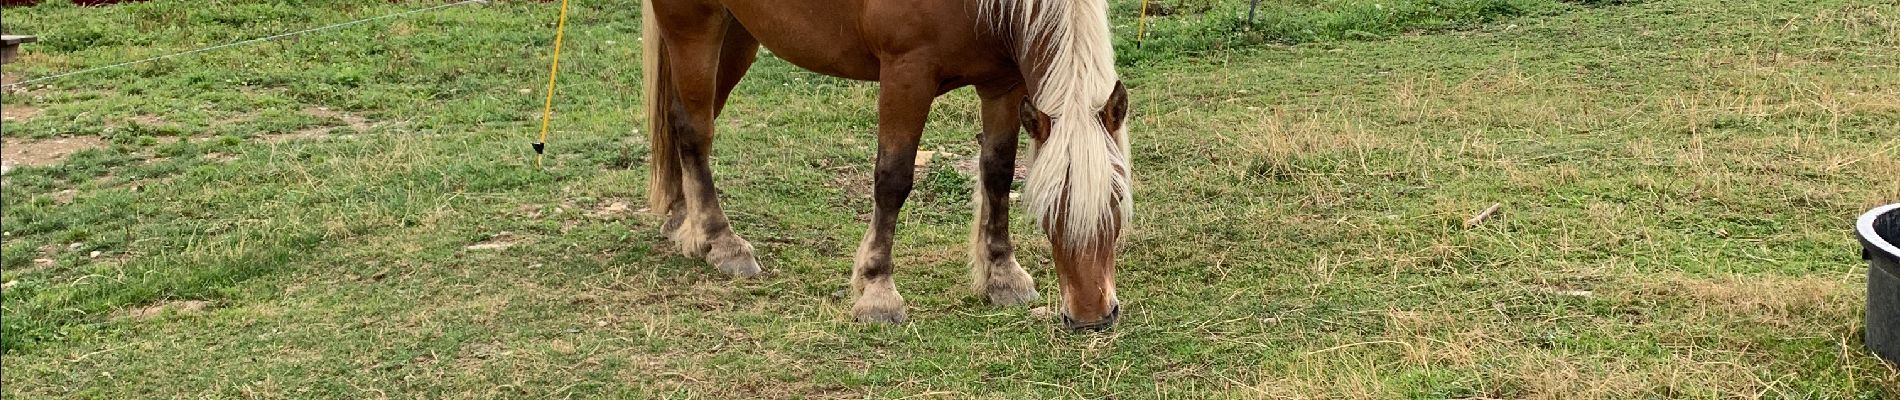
[993, 268]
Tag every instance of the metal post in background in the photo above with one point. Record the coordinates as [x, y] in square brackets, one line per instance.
[1250, 11]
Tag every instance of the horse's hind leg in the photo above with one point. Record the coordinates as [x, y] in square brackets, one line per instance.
[736, 55]
[993, 268]
[693, 42]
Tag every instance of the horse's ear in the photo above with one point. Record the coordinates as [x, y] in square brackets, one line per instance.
[1115, 109]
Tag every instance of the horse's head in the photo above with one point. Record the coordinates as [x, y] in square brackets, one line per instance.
[1078, 190]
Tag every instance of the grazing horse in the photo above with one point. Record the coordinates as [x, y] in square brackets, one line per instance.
[1042, 65]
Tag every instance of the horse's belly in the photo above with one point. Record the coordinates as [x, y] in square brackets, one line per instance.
[813, 37]
[861, 66]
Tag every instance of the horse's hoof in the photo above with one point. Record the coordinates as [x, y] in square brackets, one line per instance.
[1002, 296]
[1008, 284]
[743, 267]
[881, 317]
[733, 256]
[875, 307]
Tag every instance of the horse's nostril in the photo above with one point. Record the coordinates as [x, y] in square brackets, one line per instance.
[1114, 313]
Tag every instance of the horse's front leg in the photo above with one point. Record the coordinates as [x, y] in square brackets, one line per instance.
[993, 269]
[905, 91]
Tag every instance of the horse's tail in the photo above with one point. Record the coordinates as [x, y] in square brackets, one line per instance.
[663, 185]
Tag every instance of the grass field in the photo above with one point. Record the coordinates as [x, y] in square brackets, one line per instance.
[355, 214]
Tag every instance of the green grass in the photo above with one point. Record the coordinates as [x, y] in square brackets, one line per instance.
[1677, 179]
[1203, 27]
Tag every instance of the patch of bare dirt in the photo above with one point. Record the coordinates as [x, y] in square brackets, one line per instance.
[149, 120]
[924, 157]
[499, 241]
[186, 307]
[304, 134]
[18, 113]
[352, 120]
[42, 152]
[65, 196]
[355, 122]
[968, 167]
[613, 208]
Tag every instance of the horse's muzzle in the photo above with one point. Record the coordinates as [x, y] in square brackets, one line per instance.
[1114, 313]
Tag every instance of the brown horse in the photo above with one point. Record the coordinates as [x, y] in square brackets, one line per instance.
[1043, 65]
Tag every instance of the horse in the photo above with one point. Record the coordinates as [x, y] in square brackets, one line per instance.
[1042, 66]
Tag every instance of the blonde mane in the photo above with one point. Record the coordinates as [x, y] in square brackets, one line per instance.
[1080, 171]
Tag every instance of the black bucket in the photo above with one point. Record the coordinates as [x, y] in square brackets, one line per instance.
[1880, 245]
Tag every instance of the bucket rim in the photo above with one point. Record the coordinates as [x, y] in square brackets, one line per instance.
[1868, 235]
